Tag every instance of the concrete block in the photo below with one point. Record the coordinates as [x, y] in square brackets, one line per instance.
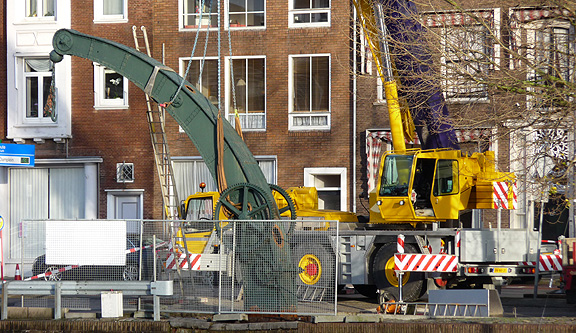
[231, 317]
[328, 319]
[80, 315]
[28, 313]
[364, 318]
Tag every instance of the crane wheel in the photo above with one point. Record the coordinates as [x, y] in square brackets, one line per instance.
[385, 278]
[315, 268]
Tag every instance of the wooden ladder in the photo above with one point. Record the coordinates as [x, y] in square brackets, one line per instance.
[156, 121]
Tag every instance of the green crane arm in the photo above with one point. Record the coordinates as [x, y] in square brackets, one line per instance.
[191, 109]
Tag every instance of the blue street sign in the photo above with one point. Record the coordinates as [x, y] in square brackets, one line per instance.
[12, 154]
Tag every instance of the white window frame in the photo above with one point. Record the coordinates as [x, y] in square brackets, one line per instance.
[120, 172]
[40, 9]
[450, 20]
[292, 12]
[246, 13]
[291, 113]
[102, 103]
[205, 15]
[194, 175]
[184, 65]
[99, 16]
[451, 83]
[531, 28]
[229, 98]
[21, 76]
[310, 175]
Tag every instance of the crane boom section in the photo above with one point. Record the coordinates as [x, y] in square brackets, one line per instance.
[371, 20]
[191, 109]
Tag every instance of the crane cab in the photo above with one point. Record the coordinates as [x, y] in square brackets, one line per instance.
[425, 186]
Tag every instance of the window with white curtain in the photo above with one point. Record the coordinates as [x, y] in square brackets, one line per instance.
[110, 11]
[248, 90]
[189, 172]
[41, 193]
[309, 92]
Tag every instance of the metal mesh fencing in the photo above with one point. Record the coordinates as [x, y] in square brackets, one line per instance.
[231, 266]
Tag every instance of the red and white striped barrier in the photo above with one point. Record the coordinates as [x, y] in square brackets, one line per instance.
[400, 244]
[457, 240]
[56, 271]
[548, 263]
[418, 262]
[135, 249]
[501, 193]
[193, 259]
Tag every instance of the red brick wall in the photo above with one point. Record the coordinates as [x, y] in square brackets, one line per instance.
[115, 135]
[295, 150]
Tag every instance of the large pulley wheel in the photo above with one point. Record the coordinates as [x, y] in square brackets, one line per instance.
[244, 202]
[387, 281]
[288, 211]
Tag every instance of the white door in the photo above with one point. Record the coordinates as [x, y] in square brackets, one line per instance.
[127, 207]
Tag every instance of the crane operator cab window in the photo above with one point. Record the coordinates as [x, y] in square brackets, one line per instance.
[446, 181]
[199, 213]
[396, 175]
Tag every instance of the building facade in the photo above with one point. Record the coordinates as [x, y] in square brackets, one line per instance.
[298, 75]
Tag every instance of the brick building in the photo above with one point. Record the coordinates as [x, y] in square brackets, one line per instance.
[95, 160]
[308, 119]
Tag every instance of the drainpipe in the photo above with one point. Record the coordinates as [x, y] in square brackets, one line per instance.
[354, 136]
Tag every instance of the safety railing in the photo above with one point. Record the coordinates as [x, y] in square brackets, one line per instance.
[57, 289]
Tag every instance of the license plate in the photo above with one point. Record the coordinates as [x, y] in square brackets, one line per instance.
[500, 270]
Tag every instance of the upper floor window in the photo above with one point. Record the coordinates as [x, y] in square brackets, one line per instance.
[203, 74]
[550, 54]
[110, 89]
[309, 13]
[309, 91]
[198, 13]
[246, 13]
[110, 11]
[468, 54]
[469, 50]
[247, 88]
[37, 80]
[40, 8]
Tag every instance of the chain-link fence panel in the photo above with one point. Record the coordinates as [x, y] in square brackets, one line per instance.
[252, 266]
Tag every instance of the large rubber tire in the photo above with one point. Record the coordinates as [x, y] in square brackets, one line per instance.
[386, 280]
[315, 265]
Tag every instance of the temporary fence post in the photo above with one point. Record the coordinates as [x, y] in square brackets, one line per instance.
[4, 315]
[156, 307]
[155, 255]
[156, 298]
[400, 287]
[58, 300]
